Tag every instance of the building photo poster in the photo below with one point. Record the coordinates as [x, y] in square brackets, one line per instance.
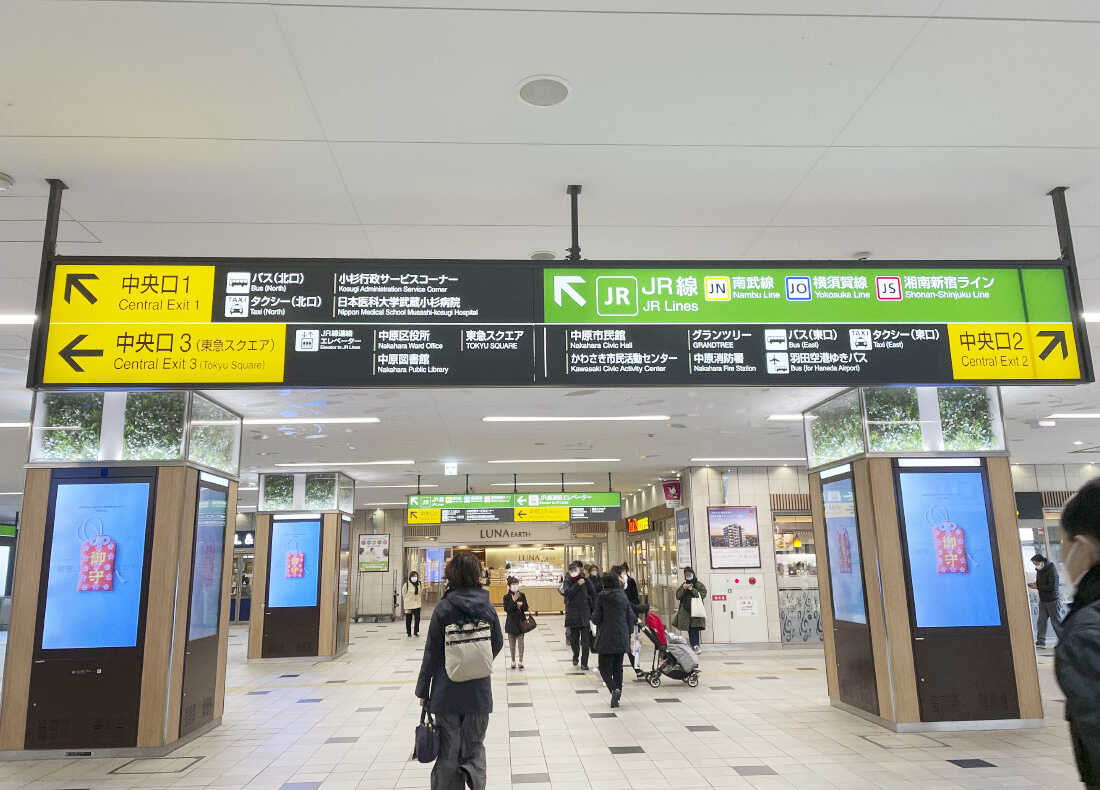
[734, 537]
[374, 553]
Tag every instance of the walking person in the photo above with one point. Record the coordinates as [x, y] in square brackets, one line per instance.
[614, 618]
[516, 608]
[691, 588]
[461, 708]
[1077, 656]
[630, 587]
[595, 579]
[1050, 598]
[410, 602]
[578, 613]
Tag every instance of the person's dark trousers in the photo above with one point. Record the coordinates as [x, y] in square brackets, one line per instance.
[461, 758]
[611, 670]
[409, 616]
[694, 636]
[1048, 610]
[580, 639]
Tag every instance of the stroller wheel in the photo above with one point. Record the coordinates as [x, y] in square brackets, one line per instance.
[692, 679]
[655, 680]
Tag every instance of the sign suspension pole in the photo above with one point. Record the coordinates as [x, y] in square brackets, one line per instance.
[609, 481]
[418, 485]
[515, 483]
[574, 190]
[563, 482]
[467, 483]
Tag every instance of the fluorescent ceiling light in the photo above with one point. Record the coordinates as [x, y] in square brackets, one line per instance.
[1074, 415]
[312, 421]
[11, 493]
[15, 425]
[383, 504]
[730, 460]
[556, 483]
[939, 462]
[405, 485]
[246, 507]
[556, 461]
[250, 488]
[784, 418]
[17, 319]
[353, 463]
[627, 418]
[1091, 318]
[1047, 423]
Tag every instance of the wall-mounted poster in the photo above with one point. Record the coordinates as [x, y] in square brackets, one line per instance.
[683, 538]
[734, 537]
[845, 565]
[293, 573]
[97, 560]
[949, 548]
[374, 553]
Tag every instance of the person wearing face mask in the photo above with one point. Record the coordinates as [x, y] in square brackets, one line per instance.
[410, 600]
[578, 614]
[691, 588]
[1046, 582]
[1077, 656]
[515, 605]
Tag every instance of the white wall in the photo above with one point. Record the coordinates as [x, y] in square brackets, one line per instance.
[372, 593]
[1052, 477]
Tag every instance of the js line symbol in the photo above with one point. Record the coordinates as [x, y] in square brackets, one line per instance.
[70, 352]
[73, 280]
[1057, 338]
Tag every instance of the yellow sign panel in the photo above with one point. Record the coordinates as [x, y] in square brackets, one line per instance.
[131, 294]
[1045, 352]
[136, 355]
[425, 516]
[542, 514]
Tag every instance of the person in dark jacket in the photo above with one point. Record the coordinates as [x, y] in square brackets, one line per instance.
[1046, 582]
[461, 709]
[1077, 656]
[691, 588]
[630, 587]
[614, 618]
[578, 613]
[515, 605]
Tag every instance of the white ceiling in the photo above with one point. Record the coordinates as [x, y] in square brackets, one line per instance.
[705, 129]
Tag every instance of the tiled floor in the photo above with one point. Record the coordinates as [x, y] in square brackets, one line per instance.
[736, 730]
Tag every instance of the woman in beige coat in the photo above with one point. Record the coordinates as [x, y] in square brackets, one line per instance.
[410, 601]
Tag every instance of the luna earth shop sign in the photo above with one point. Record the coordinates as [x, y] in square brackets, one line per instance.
[506, 533]
[367, 323]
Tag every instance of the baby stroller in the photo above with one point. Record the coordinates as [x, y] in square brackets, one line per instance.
[672, 656]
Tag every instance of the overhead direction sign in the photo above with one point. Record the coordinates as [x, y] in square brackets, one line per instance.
[377, 323]
[489, 508]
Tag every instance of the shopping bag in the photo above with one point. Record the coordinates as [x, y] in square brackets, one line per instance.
[426, 742]
[697, 608]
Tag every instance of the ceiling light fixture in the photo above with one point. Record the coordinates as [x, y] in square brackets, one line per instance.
[1047, 423]
[1078, 443]
[250, 488]
[738, 460]
[15, 425]
[543, 90]
[626, 418]
[404, 485]
[543, 255]
[11, 493]
[1091, 318]
[784, 418]
[555, 483]
[556, 461]
[18, 319]
[6, 182]
[352, 463]
[380, 504]
[1078, 415]
[312, 421]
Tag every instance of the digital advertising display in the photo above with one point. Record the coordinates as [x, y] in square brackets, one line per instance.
[949, 548]
[206, 573]
[845, 563]
[293, 568]
[96, 565]
[733, 536]
[434, 562]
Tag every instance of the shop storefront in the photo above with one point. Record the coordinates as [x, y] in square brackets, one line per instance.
[653, 559]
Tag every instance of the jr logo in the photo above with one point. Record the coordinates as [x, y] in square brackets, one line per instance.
[617, 295]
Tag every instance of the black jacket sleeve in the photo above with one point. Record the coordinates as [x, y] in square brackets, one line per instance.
[1046, 580]
[597, 613]
[433, 656]
[509, 604]
[496, 638]
[572, 590]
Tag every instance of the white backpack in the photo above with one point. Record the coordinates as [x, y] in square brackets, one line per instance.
[468, 650]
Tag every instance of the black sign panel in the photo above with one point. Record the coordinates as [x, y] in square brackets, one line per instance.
[485, 515]
[595, 513]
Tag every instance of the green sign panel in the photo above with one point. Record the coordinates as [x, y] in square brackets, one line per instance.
[879, 294]
[7, 530]
[542, 499]
[460, 501]
[489, 508]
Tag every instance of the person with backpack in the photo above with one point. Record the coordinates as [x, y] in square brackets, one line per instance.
[614, 618]
[464, 636]
[410, 602]
[578, 613]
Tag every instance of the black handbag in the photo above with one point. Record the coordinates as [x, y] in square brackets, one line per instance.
[426, 744]
[528, 625]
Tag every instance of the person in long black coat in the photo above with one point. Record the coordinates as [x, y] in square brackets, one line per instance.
[578, 613]
[614, 618]
[516, 608]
